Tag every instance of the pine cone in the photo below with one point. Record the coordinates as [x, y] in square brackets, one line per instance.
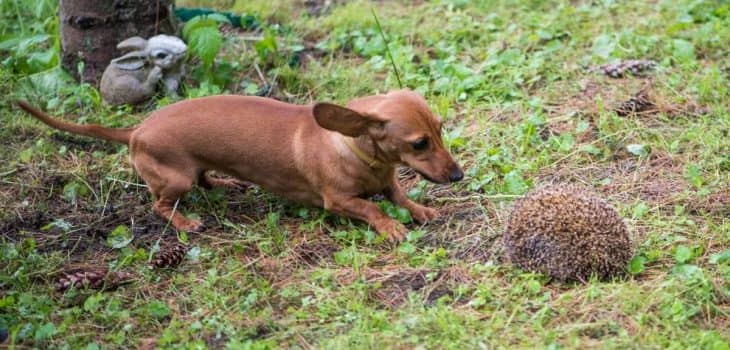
[636, 104]
[94, 278]
[170, 257]
[620, 68]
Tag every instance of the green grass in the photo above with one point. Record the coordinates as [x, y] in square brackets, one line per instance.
[513, 79]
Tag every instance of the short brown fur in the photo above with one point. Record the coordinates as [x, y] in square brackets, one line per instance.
[300, 152]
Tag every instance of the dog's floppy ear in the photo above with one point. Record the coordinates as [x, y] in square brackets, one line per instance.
[344, 120]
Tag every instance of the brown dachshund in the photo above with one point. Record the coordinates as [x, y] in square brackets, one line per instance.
[323, 154]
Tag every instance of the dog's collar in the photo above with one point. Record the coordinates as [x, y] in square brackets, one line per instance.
[367, 159]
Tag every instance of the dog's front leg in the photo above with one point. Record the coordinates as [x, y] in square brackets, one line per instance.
[367, 211]
[397, 195]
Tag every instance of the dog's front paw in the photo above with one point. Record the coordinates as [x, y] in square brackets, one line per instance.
[424, 214]
[395, 231]
[191, 226]
[232, 184]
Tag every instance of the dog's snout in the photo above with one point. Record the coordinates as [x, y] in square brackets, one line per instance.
[456, 175]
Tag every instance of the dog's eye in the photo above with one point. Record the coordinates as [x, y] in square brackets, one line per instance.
[420, 145]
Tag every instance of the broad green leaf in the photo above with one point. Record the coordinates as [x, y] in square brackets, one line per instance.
[8, 43]
[683, 254]
[514, 183]
[182, 236]
[403, 215]
[119, 237]
[399, 213]
[59, 224]
[640, 150]
[41, 61]
[158, 309]
[92, 302]
[417, 191]
[194, 253]
[49, 82]
[603, 46]
[534, 286]
[636, 265]
[590, 149]
[414, 235]
[205, 43]
[687, 271]
[407, 248]
[197, 23]
[640, 209]
[45, 331]
[24, 44]
[26, 155]
[694, 175]
[249, 21]
[721, 257]
[683, 50]
[510, 56]
[267, 46]
[345, 256]
[73, 190]
[582, 126]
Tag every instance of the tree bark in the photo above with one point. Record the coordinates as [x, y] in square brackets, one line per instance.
[91, 29]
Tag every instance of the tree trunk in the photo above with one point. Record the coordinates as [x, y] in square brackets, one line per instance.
[91, 29]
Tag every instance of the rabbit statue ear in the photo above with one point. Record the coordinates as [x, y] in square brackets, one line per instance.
[133, 43]
[132, 61]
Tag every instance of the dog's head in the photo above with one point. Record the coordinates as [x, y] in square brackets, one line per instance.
[402, 125]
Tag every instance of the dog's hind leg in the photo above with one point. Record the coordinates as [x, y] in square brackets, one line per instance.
[168, 184]
[208, 181]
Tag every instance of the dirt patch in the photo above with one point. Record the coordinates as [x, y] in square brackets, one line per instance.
[314, 253]
[316, 8]
[657, 180]
[446, 283]
[273, 269]
[392, 284]
[307, 252]
[306, 55]
[625, 96]
[59, 225]
[593, 321]
[715, 203]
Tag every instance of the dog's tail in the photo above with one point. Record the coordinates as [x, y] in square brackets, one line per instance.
[97, 131]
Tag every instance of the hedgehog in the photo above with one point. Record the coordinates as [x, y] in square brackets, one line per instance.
[567, 233]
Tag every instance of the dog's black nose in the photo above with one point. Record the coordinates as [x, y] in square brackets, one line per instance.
[456, 175]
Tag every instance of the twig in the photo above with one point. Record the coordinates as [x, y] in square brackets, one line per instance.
[9, 172]
[387, 49]
[251, 38]
[258, 71]
[479, 196]
[126, 182]
[23, 184]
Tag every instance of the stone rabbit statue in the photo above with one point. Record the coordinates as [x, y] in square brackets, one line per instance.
[133, 77]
